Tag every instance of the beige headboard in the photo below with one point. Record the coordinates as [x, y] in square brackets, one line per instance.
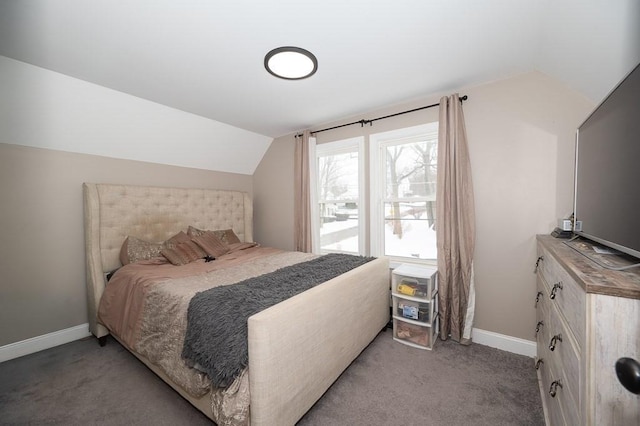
[113, 212]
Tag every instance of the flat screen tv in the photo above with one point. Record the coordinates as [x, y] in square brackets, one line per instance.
[607, 175]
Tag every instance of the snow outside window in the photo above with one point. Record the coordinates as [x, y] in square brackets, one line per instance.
[403, 193]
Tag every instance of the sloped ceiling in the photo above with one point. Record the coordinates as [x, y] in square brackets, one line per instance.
[206, 57]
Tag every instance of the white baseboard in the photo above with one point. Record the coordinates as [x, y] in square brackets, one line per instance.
[504, 342]
[39, 343]
[46, 341]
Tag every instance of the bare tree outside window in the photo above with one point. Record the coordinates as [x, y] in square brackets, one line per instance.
[409, 200]
[401, 182]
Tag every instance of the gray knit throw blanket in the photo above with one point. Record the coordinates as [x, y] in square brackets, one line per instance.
[216, 337]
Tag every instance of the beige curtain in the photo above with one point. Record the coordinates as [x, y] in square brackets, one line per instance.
[301, 199]
[455, 225]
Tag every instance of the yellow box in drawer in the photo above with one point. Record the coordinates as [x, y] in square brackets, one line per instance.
[416, 281]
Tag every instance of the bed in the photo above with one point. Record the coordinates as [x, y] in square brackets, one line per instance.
[296, 348]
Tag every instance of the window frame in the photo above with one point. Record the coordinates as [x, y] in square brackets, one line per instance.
[377, 188]
[355, 144]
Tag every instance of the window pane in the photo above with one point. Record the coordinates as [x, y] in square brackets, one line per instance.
[339, 227]
[338, 177]
[411, 170]
[338, 194]
[409, 229]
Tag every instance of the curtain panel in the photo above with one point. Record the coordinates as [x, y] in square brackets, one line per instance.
[455, 224]
[302, 195]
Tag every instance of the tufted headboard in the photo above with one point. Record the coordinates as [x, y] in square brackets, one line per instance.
[113, 212]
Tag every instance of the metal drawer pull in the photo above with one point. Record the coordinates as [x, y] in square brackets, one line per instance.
[539, 326]
[554, 340]
[538, 263]
[555, 288]
[538, 298]
[554, 388]
[539, 363]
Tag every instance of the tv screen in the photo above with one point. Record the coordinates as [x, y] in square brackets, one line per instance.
[607, 178]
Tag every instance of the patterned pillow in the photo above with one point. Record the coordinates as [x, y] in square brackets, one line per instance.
[183, 253]
[134, 249]
[226, 236]
[211, 244]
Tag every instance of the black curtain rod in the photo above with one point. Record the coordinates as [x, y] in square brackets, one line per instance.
[370, 122]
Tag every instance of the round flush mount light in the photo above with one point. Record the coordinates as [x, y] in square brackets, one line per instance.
[291, 63]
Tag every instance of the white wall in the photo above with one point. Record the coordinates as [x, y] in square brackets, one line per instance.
[45, 109]
[589, 45]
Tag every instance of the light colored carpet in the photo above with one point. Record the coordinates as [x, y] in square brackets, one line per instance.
[81, 383]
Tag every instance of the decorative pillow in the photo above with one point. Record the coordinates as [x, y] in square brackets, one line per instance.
[183, 253]
[134, 249]
[211, 244]
[226, 236]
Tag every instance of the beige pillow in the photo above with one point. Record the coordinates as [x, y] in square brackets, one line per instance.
[183, 253]
[134, 249]
[226, 236]
[211, 244]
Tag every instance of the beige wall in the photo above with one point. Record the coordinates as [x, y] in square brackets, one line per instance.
[273, 196]
[521, 139]
[42, 272]
[521, 135]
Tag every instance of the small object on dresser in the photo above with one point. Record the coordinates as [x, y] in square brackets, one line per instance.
[559, 233]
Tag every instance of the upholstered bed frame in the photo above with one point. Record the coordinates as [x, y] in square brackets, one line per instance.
[297, 348]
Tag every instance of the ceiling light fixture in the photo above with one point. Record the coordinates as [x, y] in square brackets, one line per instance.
[291, 63]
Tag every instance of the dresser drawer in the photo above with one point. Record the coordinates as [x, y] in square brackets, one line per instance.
[546, 375]
[560, 406]
[597, 313]
[562, 363]
[565, 294]
[564, 357]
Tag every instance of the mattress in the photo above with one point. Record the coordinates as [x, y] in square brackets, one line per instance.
[145, 306]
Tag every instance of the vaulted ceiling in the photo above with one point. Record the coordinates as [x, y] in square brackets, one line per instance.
[206, 57]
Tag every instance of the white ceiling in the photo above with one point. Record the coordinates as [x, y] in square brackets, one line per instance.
[206, 57]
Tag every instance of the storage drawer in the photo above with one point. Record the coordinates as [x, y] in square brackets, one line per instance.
[569, 406]
[561, 408]
[566, 294]
[412, 309]
[416, 281]
[546, 376]
[558, 410]
[565, 356]
[414, 333]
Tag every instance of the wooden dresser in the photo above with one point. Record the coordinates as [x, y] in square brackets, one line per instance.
[587, 318]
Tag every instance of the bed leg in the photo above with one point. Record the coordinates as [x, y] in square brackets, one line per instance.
[102, 341]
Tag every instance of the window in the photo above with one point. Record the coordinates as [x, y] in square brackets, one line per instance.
[401, 205]
[339, 211]
[403, 193]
